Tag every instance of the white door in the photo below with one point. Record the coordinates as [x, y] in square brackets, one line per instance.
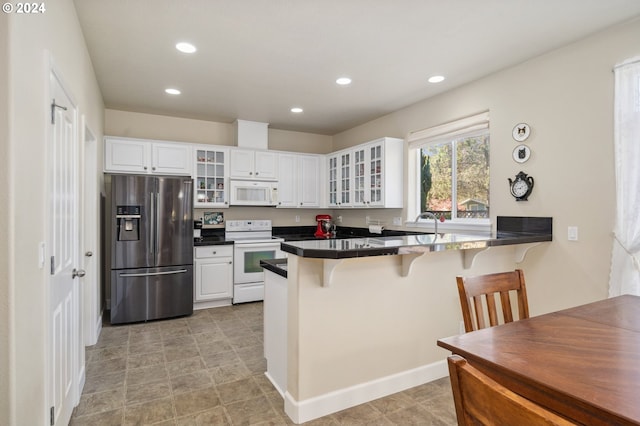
[63, 344]
[266, 165]
[309, 181]
[214, 279]
[171, 159]
[242, 163]
[287, 182]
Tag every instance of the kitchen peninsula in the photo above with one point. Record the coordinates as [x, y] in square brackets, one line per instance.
[363, 314]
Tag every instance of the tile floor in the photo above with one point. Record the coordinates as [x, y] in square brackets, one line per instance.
[208, 369]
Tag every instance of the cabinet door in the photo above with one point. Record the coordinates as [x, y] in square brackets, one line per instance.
[345, 173]
[360, 181]
[376, 174]
[332, 181]
[287, 182]
[266, 165]
[308, 181]
[211, 177]
[242, 163]
[172, 159]
[130, 156]
[214, 279]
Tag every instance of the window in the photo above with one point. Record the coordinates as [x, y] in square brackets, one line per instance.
[451, 177]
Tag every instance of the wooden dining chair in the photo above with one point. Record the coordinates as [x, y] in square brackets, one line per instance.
[480, 400]
[485, 288]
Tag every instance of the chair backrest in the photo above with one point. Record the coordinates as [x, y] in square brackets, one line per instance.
[487, 287]
[479, 400]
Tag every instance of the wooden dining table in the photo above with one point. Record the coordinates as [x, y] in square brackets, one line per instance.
[582, 362]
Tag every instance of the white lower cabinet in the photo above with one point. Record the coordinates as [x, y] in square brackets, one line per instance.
[213, 284]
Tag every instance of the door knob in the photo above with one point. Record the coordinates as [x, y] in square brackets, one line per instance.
[89, 254]
[78, 273]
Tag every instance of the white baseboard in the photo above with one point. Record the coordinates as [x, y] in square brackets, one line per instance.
[211, 304]
[332, 402]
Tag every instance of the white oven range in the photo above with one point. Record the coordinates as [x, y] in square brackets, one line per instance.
[253, 242]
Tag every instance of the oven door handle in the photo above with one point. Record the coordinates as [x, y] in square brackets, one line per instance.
[250, 246]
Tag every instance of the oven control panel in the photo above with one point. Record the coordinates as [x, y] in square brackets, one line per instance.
[248, 225]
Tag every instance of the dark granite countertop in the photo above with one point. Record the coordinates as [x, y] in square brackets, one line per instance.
[277, 266]
[511, 230]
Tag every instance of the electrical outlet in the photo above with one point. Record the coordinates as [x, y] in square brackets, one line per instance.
[339, 219]
[366, 219]
[397, 221]
[297, 218]
[572, 233]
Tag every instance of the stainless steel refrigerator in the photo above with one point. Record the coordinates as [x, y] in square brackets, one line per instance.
[151, 247]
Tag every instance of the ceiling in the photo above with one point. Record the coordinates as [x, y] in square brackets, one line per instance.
[258, 58]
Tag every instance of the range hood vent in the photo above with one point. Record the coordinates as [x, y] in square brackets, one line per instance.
[251, 134]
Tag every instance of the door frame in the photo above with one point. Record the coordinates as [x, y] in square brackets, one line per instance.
[90, 239]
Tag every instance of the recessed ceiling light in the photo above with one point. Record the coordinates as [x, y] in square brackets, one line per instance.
[186, 47]
[172, 91]
[343, 81]
[436, 79]
[296, 110]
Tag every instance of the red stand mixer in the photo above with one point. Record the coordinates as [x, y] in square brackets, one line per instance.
[324, 226]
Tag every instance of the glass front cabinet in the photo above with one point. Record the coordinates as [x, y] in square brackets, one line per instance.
[211, 179]
[367, 175]
[340, 168]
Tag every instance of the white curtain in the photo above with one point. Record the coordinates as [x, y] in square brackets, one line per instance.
[625, 259]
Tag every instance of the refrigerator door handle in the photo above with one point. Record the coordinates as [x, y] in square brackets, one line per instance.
[156, 229]
[152, 228]
[151, 274]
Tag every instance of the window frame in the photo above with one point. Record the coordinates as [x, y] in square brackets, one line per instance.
[477, 125]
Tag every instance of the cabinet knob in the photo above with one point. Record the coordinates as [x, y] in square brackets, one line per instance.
[153, 168]
[145, 167]
[250, 173]
[215, 252]
[230, 262]
[257, 173]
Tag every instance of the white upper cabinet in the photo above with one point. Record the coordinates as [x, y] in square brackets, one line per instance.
[367, 175]
[253, 164]
[299, 183]
[211, 176]
[124, 155]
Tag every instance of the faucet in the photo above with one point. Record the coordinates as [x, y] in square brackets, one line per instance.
[429, 214]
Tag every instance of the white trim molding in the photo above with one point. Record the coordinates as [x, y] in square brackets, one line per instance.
[332, 402]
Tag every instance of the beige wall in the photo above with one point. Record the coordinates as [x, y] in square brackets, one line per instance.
[150, 126]
[33, 41]
[567, 98]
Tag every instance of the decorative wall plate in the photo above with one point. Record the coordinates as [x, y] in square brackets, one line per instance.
[521, 132]
[521, 153]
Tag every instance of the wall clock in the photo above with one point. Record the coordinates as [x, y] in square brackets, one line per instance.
[521, 186]
[521, 132]
[521, 153]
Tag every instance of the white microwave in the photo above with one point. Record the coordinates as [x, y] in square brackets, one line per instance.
[253, 193]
